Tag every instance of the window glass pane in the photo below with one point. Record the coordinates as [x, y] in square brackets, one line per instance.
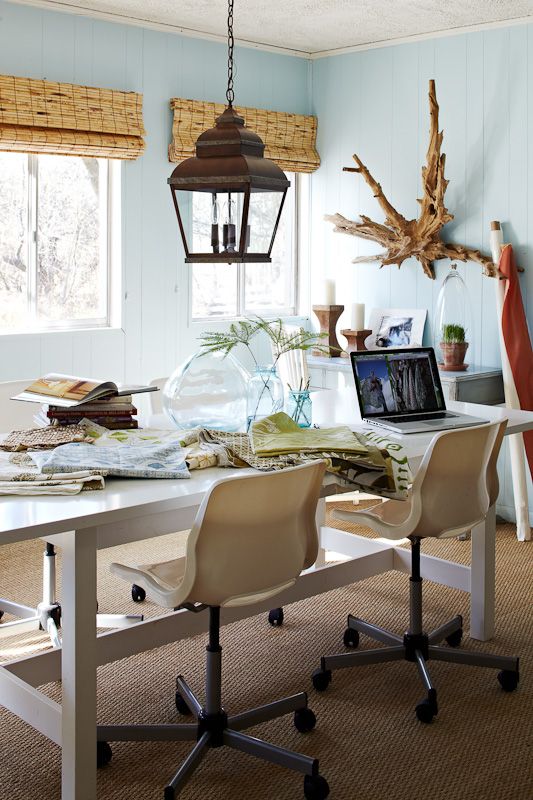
[13, 239]
[214, 286]
[270, 287]
[71, 238]
[214, 290]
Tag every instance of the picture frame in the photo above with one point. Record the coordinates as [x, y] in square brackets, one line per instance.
[396, 327]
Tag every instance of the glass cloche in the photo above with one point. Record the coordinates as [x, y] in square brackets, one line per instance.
[208, 391]
[453, 329]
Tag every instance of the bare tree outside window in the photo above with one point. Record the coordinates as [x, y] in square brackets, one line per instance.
[53, 241]
[222, 290]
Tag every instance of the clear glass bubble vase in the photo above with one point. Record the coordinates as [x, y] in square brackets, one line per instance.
[208, 391]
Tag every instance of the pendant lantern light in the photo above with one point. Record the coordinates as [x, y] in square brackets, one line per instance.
[238, 194]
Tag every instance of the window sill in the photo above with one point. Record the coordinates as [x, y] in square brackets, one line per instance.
[102, 329]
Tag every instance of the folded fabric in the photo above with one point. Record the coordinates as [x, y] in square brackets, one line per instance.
[381, 466]
[280, 434]
[44, 438]
[127, 461]
[20, 475]
[55, 483]
[142, 437]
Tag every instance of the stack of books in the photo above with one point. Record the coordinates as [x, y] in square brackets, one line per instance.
[111, 412]
[68, 399]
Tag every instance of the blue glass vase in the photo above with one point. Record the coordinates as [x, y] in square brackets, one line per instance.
[264, 394]
[208, 391]
[299, 407]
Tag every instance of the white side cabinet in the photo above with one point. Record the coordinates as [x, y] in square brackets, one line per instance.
[475, 385]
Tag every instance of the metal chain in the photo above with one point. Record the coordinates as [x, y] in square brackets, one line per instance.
[230, 94]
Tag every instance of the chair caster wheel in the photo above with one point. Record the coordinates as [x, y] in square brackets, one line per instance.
[321, 679]
[55, 614]
[137, 593]
[103, 754]
[455, 638]
[275, 617]
[351, 638]
[304, 720]
[315, 787]
[426, 710]
[508, 680]
[182, 706]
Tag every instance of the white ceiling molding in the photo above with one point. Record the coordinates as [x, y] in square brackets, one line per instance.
[421, 37]
[73, 7]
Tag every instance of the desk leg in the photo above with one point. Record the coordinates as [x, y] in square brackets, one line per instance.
[483, 577]
[78, 666]
[320, 522]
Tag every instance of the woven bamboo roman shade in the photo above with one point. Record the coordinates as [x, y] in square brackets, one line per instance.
[39, 116]
[290, 139]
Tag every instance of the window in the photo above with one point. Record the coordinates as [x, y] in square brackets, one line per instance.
[229, 290]
[54, 248]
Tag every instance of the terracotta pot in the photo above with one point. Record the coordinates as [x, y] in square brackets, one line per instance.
[453, 354]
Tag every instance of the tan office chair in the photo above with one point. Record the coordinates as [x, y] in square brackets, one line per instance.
[251, 538]
[18, 415]
[453, 490]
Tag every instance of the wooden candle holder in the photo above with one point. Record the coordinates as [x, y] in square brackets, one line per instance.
[356, 340]
[328, 316]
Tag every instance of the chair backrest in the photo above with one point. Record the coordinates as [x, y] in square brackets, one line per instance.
[493, 483]
[252, 536]
[156, 398]
[15, 414]
[453, 487]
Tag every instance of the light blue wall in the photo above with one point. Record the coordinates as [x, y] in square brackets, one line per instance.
[71, 48]
[374, 103]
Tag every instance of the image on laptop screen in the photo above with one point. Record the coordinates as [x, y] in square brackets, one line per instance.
[397, 382]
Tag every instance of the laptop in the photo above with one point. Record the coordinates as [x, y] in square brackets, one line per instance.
[400, 390]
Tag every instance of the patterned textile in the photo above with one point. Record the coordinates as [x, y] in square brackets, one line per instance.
[195, 456]
[381, 469]
[20, 475]
[44, 438]
[127, 461]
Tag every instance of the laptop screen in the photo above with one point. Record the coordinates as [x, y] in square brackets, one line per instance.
[397, 382]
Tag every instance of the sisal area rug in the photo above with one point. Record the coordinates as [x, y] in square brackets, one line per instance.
[368, 740]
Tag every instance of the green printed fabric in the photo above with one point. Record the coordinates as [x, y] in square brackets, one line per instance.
[279, 434]
[376, 464]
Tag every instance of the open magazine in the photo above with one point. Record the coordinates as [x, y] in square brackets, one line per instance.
[68, 391]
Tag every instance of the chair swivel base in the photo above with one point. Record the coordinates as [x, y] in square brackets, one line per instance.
[419, 649]
[415, 646]
[214, 728]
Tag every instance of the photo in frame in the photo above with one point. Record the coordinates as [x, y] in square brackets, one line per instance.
[396, 327]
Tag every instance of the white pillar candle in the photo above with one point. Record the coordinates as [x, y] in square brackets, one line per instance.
[358, 317]
[328, 292]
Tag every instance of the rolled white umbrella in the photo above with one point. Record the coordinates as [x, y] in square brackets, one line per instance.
[516, 441]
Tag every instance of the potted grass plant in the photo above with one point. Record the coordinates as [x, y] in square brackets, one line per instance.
[453, 347]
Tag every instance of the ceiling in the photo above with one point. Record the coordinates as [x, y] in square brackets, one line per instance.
[308, 26]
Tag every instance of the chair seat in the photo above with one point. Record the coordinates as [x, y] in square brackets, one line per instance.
[161, 582]
[383, 518]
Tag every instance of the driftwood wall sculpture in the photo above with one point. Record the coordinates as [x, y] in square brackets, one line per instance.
[418, 238]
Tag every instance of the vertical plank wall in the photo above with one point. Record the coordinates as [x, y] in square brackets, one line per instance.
[374, 103]
[155, 333]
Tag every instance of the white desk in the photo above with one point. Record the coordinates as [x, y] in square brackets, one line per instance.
[129, 510]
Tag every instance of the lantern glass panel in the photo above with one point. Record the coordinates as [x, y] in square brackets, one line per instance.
[211, 221]
[262, 216]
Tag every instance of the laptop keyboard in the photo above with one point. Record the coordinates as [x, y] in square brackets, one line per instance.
[419, 417]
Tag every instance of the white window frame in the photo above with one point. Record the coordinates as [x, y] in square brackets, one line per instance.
[109, 211]
[269, 313]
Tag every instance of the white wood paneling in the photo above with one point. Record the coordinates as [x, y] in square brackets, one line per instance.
[156, 331]
[375, 103]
